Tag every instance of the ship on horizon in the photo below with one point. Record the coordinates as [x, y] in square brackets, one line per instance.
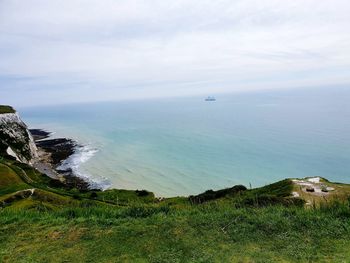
[210, 98]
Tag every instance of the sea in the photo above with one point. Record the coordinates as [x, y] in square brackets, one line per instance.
[186, 145]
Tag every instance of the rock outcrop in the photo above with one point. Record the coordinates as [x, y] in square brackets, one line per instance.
[15, 138]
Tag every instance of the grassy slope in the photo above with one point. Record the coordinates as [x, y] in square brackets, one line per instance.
[6, 109]
[9, 180]
[259, 225]
[214, 233]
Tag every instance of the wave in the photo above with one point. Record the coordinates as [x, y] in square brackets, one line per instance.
[81, 155]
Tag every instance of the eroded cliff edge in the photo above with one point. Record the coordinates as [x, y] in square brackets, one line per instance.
[15, 138]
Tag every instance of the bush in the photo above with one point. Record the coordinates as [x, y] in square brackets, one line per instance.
[212, 195]
[56, 183]
[142, 193]
[77, 197]
[93, 195]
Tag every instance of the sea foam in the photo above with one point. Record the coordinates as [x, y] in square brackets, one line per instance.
[81, 155]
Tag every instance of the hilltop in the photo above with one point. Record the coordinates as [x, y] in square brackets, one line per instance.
[6, 109]
[44, 219]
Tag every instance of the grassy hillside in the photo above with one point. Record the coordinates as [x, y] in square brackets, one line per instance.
[6, 109]
[42, 221]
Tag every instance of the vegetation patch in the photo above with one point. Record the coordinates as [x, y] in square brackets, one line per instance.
[42, 221]
[6, 109]
[213, 195]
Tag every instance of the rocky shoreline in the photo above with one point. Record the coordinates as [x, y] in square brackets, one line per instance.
[52, 152]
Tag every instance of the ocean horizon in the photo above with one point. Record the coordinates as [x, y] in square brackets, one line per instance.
[184, 146]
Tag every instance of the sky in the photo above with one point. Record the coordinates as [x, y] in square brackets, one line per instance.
[66, 51]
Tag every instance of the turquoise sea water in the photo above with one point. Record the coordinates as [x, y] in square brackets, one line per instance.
[184, 146]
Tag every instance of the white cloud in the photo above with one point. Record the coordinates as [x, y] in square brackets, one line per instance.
[134, 48]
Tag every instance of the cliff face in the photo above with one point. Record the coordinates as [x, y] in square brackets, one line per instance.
[15, 138]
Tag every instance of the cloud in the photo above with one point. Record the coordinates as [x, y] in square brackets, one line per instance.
[119, 49]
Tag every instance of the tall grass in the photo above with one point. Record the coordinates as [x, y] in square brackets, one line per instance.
[213, 231]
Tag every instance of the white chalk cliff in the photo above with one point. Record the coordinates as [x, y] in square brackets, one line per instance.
[15, 138]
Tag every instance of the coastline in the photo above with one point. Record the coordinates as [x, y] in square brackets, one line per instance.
[52, 153]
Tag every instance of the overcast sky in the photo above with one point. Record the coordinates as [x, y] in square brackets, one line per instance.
[60, 51]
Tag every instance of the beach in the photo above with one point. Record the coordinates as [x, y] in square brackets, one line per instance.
[51, 154]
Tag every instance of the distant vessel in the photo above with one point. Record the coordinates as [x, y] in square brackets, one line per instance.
[210, 98]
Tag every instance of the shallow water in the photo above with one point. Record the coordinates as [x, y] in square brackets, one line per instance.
[186, 145]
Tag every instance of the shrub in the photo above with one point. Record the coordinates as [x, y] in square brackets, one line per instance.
[142, 193]
[93, 195]
[212, 195]
[77, 197]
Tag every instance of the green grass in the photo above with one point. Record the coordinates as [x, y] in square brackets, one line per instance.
[6, 109]
[8, 176]
[230, 225]
[9, 181]
[121, 197]
[203, 233]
